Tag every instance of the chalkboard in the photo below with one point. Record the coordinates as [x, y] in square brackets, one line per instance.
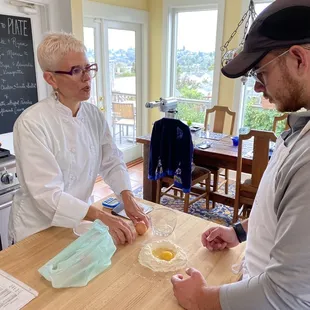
[18, 85]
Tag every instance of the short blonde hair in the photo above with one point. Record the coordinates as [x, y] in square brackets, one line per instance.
[55, 46]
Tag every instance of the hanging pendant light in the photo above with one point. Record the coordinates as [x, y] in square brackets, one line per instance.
[229, 54]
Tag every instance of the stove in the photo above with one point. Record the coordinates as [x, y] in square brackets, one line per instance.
[8, 186]
[8, 177]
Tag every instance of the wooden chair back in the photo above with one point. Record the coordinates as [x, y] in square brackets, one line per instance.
[219, 118]
[123, 110]
[279, 119]
[245, 192]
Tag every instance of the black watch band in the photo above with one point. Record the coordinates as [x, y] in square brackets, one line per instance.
[240, 232]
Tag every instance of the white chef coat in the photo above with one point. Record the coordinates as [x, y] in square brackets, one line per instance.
[58, 158]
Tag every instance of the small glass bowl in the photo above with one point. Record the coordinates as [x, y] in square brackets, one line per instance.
[163, 222]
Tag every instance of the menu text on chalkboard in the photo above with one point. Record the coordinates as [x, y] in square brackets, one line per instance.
[18, 85]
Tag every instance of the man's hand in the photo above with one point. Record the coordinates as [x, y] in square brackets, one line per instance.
[219, 238]
[192, 293]
[132, 209]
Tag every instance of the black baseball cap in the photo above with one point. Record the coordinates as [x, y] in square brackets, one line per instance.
[283, 23]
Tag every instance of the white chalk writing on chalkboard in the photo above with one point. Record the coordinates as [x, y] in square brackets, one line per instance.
[5, 66]
[18, 86]
[17, 27]
[6, 86]
[28, 64]
[18, 44]
[13, 73]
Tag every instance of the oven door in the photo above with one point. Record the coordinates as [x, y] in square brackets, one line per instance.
[5, 208]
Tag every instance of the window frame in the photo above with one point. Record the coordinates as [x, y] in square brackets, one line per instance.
[95, 24]
[239, 89]
[171, 8]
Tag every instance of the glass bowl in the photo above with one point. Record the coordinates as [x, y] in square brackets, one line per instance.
[163, 222]
[83, 228]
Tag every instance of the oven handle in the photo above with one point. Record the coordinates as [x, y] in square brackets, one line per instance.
[5, 205]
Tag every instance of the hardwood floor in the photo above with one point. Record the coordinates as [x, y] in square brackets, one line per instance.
[101, 189]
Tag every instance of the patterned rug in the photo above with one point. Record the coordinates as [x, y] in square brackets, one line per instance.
[220, 214]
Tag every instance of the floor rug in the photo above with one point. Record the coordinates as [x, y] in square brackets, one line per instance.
[220, 214]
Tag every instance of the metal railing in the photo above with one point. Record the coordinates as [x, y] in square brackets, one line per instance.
[122, 97]
[189, 109]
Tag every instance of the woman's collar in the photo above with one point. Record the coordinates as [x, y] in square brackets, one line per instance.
[65, 110]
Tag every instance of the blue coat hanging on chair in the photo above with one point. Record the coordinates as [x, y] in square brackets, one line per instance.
[171, 152]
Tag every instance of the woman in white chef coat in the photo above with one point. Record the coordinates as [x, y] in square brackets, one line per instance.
[61, 144]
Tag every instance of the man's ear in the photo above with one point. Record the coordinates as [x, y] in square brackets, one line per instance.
[50, 79]
[301, 56]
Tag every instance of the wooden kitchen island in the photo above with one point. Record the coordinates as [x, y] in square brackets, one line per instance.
[125, 284]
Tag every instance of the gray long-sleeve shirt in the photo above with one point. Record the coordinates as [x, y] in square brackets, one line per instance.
[285, 282]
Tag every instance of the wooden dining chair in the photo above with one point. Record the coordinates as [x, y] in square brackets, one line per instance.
[171, 163]
[219, 122]
[246, 192]
[123, 114]
[279, 119]
[199, 176]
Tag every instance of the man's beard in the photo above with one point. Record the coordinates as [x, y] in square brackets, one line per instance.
[290, 98]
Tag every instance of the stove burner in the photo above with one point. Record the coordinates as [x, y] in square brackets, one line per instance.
[4, 153]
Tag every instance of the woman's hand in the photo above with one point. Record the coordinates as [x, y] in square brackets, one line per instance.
[219, 238]
[133, 210]
[119, 229]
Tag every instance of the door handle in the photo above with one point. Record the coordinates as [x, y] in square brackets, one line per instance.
[102, 106]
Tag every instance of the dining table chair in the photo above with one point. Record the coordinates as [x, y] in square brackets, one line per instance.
[222, 115]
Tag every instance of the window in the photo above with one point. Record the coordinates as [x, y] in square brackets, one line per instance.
[257, 112]
[193, 50]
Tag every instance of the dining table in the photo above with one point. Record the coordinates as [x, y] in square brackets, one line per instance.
[125, 284]
[221, 154]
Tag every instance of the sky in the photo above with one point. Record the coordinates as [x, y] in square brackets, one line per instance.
[196, 32]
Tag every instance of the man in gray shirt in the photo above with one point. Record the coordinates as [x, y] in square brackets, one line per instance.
[277, 259]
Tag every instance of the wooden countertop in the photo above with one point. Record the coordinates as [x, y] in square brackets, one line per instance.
[125, 284]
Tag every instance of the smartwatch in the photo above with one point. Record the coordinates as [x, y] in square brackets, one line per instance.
[240, 232]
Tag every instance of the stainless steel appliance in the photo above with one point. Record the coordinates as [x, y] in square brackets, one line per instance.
[8, 186]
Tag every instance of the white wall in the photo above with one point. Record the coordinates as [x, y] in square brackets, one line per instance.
[54, 15]
[60, 15]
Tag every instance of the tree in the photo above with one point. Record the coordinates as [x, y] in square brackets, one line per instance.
[191, 93]
[187, 87]
[190, 112]
[261, 119]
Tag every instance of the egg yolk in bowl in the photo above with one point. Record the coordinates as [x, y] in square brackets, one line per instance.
[164, 254]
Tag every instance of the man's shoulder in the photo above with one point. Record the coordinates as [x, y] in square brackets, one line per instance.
[300, 152]
[298, 158]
